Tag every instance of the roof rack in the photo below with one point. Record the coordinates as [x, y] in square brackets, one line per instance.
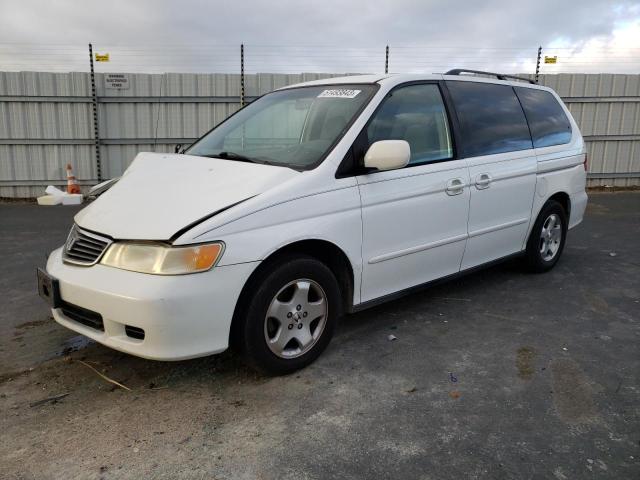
[499, 76]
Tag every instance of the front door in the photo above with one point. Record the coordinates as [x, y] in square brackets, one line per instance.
[414, 219]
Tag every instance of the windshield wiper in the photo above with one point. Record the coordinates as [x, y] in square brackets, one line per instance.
[242, 158]
[235, 156]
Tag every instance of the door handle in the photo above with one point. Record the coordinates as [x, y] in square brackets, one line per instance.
[483, 181]
[455, 186]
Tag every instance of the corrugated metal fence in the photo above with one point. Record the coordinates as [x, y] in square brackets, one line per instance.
[46, 121]
[607, 110]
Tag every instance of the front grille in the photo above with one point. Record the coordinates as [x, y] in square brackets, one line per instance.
[84, 248]
[88, 318]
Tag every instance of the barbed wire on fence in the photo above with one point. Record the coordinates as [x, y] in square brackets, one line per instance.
[159, 58]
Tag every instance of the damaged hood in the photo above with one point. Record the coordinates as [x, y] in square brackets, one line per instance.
[160, 194]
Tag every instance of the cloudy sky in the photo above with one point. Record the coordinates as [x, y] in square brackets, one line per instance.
[337, 36]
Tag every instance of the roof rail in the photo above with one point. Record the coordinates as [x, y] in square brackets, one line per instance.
[499, 76]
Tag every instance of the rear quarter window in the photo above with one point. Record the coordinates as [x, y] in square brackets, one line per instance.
[491, 118]
[548, 123]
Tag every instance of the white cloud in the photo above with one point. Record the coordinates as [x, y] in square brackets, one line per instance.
[615, 53]
[338, 36]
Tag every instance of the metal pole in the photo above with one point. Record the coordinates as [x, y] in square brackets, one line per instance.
[538, 63]
[96, 130]
[241, 75]
[386, 60]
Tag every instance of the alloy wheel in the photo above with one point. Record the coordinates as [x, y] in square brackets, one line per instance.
[550, 237]
[296, 318]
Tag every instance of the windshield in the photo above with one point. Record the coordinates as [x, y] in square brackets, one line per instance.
[293, 128]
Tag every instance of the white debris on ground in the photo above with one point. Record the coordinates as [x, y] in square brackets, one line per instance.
[55, 196]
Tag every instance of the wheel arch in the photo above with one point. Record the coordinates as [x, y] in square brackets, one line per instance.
[323, 250]
[559, 196]
[563, 199]
[558, 202]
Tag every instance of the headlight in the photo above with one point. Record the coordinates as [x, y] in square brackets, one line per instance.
[161, 259]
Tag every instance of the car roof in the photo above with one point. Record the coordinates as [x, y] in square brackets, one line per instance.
[398, 78]
[351, 79]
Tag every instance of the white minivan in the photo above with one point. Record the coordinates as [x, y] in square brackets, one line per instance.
[313, 201]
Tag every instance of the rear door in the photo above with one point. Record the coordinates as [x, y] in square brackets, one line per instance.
[414, 219]
[502, 167]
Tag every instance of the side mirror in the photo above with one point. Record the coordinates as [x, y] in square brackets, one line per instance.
[388, 155]
[177, 148]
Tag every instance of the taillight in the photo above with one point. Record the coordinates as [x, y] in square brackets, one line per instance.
[584, 164]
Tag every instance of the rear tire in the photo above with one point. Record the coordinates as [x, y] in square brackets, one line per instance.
[290, 314]
[547, 238]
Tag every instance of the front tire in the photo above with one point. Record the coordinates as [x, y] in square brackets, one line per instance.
[547, 238]
[291, 310]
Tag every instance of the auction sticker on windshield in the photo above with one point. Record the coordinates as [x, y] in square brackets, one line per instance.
[339, 93]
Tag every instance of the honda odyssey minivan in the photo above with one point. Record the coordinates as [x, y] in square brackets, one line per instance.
[313, 201]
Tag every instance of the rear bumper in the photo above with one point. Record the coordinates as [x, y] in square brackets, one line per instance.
[578, 207]
[183, 316]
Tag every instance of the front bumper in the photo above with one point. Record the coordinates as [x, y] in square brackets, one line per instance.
[183, 316]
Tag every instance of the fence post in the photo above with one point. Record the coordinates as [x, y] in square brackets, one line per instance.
[538, 63]
[241, 75]
[386, 60]
[96, 130]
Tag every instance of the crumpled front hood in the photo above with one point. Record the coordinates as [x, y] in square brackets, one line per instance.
[160, 194]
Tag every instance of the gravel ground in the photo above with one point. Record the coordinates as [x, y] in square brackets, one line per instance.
[499, 374]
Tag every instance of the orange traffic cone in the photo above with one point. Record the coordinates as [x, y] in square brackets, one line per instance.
[72, 183]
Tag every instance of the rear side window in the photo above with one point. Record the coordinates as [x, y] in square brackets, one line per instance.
[547, 120]
[491, 118]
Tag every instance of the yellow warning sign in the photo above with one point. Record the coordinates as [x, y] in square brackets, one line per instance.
[105, 57]
[550, 59]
